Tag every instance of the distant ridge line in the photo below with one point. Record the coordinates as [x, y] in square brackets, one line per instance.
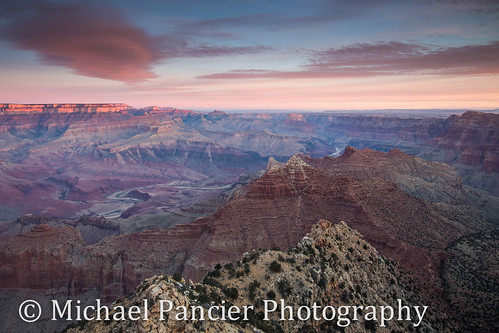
[8, 108]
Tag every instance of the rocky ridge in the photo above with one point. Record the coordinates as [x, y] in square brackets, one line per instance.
[62, 108]
[332, 265]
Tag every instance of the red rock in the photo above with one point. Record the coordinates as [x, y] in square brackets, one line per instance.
[61, 108]
[472, 139]
[277, 210]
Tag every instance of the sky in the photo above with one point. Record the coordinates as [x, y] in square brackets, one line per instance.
[252, 54]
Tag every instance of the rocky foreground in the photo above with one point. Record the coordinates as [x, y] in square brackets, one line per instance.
[331, 266]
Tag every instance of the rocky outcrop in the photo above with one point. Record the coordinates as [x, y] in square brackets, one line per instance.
[331, 266]
[138, 195]
[431, 181]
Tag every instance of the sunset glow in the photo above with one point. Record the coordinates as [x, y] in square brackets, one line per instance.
[238, 55]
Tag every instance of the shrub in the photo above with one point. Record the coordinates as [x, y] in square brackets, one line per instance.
[345, 296]
[370, 325]
[252, 289]
[177, 277]
[254, 256]
[200, 289]
[215, 273]
[234, 293]
[212, 282]
[275, 267]
[284, 288]
[204, 298]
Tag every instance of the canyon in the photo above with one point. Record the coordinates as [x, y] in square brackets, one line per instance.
[70, 160]
[96, 198]
[411, 210]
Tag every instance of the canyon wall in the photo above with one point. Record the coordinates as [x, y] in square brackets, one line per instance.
[60, 164]
[275, 210]
[61, 108]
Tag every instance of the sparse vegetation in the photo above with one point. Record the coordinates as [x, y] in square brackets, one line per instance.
[323, 276]
[233, 293]
[252, 289]
[284, 288]
[275, 267]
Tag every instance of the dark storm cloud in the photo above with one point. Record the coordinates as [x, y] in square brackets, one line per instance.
[95, 41]
[386, 58]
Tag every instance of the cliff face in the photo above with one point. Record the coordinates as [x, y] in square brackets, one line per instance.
[470, 145]
[472, 139]
[331, 266]
[277, 210]
[68, 164]
[62, 108]
[39, 257]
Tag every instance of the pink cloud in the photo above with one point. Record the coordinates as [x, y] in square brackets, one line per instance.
[385, 59]
[409, 58]
[91, 42]
[95, 41]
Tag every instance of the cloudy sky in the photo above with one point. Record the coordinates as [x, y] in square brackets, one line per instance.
[252, 54]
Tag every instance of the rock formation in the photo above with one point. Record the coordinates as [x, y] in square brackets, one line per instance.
[62, 108]
[331, 266]
[276, 210]
[66, 159]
